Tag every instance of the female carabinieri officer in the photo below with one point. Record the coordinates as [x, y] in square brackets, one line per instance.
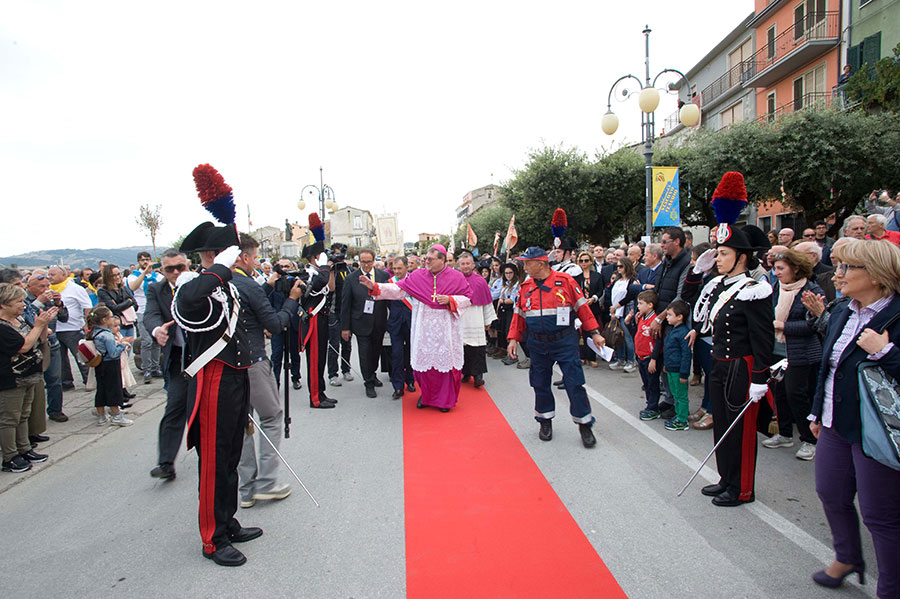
[737, 310]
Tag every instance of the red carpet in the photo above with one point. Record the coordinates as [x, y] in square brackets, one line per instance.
[481, 519]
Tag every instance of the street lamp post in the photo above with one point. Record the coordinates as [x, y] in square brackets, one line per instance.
[648, 100]
[323, 192]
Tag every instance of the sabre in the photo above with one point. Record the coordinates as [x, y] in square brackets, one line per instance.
[777, 373]
[278, 453]
[350, 366]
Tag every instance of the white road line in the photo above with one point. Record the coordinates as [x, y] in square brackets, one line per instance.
[790, 531]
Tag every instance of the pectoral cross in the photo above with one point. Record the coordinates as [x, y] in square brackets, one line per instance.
[435, 294]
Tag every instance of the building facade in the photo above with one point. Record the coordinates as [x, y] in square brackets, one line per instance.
[874, 31]
[475, 200]
[353, 227]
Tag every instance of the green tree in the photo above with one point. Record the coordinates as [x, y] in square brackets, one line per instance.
[877, 87]
[150, 219]
[486, 222]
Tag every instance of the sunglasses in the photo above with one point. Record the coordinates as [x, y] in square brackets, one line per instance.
[175, 268]
[810, 236]
[586, 261]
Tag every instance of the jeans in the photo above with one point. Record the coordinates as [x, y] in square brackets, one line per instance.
[149, 348]
[625, 352]
[53, 379]
[651, 383]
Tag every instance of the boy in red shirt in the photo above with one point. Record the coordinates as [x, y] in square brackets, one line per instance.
[643, 348]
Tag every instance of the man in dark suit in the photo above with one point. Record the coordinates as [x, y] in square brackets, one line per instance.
[653, 258]
[159, 322]
[365, 318]
[398, 326]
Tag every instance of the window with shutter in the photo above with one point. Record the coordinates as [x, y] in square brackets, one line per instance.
[871, 49]
[854, 57]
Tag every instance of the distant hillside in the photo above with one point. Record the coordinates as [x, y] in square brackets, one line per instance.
[76, 258]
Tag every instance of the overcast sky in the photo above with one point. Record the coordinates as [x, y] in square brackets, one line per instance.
[406, 105]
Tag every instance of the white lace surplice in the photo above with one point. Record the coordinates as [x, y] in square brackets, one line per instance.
[436, 338]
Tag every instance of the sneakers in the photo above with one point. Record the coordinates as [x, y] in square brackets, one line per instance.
[615, 365]
[629, 367]
[36, 458]
[806, 452]
[649, 414]
[148, 377]
[16, 464]
[102, 419]
[248, 502]
[120, 420]
[507, 361]
[335, 381]
[776, 441]
[348, 377]
[674, 424]
[58, 417]
[524, 364]
[277, 493]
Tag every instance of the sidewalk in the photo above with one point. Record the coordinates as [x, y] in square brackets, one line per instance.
[81, 430]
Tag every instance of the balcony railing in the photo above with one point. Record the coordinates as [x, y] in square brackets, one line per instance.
[809, 101]
[814, 27]
[736, 75]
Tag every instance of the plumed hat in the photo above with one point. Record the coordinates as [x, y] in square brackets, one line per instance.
[729, 199]
[318, 231]
[216, 197]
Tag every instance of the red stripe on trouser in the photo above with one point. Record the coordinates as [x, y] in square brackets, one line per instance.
[207, 413]
[314, 359]
[748, 441]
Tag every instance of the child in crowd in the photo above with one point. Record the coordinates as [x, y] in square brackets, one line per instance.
[677, 359]
[643, 348]
[109, 373]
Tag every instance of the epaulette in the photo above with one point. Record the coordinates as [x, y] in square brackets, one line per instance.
[755, 291]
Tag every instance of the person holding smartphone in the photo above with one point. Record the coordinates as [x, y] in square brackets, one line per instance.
[138, 281]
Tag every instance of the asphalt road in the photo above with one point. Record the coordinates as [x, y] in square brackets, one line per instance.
[96, 524]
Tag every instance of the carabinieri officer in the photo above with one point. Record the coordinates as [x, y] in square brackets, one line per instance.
[217, 359]
[738, 311]
[547, 305]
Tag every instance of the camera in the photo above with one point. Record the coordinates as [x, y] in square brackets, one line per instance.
[288, 277]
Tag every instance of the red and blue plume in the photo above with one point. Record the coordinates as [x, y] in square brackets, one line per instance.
[559, 223]
[315, 227]
[729, 198]
[215, 195]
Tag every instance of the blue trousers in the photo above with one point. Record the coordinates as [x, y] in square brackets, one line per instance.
[565, 353]
[651, 383]
[53, 379]
[401, 370]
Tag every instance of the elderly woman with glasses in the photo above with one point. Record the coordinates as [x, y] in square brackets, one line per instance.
[21, 368]
[864, 329]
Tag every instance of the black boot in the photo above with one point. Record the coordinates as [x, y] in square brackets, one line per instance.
[546, 432]
[587, 435]
[479, 381]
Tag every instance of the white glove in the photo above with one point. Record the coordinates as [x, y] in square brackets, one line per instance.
[577, 323]
[757, 391]
[186, 276]
[705, 261]
[228, 256]
[322, 260]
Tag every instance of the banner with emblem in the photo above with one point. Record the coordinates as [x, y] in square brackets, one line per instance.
[666, 203]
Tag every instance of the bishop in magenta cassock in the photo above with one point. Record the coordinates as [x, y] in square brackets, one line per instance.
[439, 294]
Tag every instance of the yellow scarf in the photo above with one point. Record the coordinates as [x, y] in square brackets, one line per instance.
[59, 287]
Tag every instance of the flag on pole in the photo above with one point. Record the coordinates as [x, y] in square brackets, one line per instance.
[249, 221]
[471, 239]
[452, 242]
[512, 237]
[496, 241]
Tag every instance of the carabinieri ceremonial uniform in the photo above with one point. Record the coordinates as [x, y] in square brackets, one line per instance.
[737, 311]
[316, 303]
[216, 358]
[547, 309]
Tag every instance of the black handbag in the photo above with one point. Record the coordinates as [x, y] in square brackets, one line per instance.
[613, 334]
[31, 362]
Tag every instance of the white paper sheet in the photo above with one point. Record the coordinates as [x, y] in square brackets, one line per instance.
[604, 352]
